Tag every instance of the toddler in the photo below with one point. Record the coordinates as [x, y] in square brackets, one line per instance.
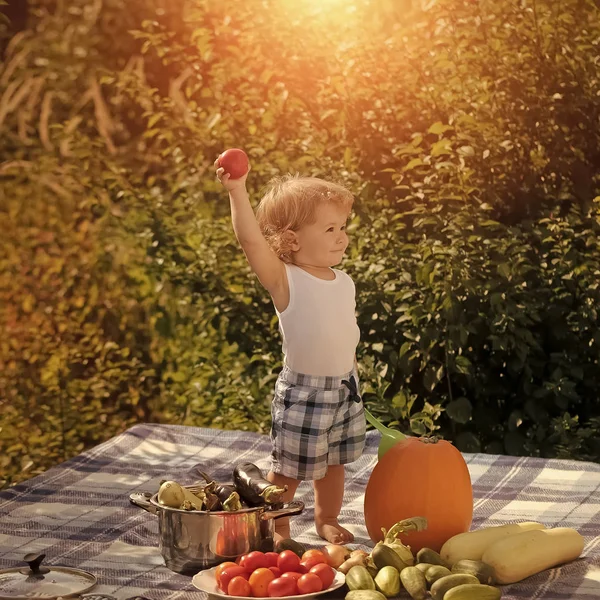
[318, 423]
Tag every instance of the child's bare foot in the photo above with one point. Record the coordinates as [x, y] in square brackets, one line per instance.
[333, 532]
[282, 529]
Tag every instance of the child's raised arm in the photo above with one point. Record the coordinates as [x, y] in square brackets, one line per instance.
[263, 261]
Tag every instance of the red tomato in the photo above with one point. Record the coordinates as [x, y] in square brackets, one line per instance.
[309, 583]
[239, 586]
[276, 571]
[272, 558]
[242, 560]
[325, 573]
[292, 575]
[229, 573]
[255, 560]
[282, 586]
[288, 561]
[259, 581]
[310, 562]
[220, 570]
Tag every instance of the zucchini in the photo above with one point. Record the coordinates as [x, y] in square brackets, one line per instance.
[472, 544]
[520, 556]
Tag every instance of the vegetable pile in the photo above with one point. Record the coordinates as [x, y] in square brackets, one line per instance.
[249, 489]
[468, 566]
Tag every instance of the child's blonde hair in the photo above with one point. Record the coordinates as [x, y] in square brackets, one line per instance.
[290, 202]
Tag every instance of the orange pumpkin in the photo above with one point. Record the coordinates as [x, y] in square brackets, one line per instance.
[420, 477]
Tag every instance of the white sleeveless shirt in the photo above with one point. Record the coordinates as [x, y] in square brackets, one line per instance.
[319, 327]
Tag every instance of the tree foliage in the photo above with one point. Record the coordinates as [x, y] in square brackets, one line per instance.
[468, 130]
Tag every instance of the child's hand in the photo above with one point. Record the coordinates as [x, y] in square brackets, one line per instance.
[228, 183]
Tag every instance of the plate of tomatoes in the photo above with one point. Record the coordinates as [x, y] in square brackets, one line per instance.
[266, 575]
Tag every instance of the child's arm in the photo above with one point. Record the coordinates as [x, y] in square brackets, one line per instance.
[263, 261]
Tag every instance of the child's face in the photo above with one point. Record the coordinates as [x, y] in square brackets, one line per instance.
[323, 243]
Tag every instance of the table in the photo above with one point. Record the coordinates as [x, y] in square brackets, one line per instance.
[79, 514]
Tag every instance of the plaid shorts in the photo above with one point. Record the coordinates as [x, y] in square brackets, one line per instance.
[317, 421]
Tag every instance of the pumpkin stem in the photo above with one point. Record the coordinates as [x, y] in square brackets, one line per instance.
[385, 431]
[430, 439]
[404, 526]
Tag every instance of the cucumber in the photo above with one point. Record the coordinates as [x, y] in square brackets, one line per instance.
[441, 586]
[414, 583]
[387, 581]
[436, 572]
[427, 555]
[364, 595]
[383, 556]
[481, 570]
[358, 578]
[470, 591]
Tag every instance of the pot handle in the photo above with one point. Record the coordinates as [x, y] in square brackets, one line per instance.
[142, 500]
[295, 507]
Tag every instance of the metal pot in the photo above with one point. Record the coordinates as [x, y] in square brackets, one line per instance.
[194, 540]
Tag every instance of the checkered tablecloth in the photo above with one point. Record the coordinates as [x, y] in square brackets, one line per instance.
[79, 513]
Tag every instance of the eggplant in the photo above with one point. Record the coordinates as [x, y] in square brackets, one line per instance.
[254, 488]
[228, 497]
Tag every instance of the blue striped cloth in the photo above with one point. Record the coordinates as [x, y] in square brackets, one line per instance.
[79, 514]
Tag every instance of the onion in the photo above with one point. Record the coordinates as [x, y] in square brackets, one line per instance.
[335, 554]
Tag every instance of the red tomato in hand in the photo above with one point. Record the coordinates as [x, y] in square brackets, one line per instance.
[282, 586]
[229, 573]
[255, 560]
[272, 558]
[235, 162]
[259, 581]
[239, 586]
[288, 561]
[309, 583]
[325, 573]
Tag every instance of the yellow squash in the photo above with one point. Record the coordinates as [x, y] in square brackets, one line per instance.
[473, 544]
[519, 556]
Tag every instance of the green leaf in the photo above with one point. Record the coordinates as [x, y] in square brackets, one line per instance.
[438, 128]
[460, 410]
[432, 376]
[415, 162]
[463, 365]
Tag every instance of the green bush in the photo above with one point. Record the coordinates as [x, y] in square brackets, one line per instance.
[467, 130]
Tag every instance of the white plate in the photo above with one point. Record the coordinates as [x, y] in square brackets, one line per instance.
[206, 582]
